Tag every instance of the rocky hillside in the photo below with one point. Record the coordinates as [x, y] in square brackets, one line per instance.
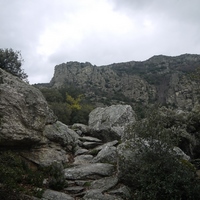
[161, 79]
[101, 160]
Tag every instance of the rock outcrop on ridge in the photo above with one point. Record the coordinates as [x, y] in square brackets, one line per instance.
[160, 79]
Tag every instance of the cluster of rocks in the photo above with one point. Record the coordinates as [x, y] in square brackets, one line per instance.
[93, 171]
[96, 155]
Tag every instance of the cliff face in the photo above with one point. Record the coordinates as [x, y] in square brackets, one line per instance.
[160, 79]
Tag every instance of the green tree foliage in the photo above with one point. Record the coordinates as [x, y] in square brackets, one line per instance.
[161, 173]
[11, 61]
[74, 103]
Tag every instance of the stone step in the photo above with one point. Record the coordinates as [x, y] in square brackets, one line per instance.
[89, 139]
[83, 159]
[52, 195]
[96, 194]
[104, 184]
[89, 145]
[80, 151]
[74, 189]
[108, 144]
[91, 171]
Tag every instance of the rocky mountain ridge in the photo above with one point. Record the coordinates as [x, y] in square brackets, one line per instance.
[160, 79]
[97, 158]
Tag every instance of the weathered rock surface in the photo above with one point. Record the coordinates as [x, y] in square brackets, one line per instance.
[54, 195]
[81, 128]
[98, 195]
[83, 159]
[28, 124]
[60, 133]
[104, 184]
[89, 139]
[108, 144]
[24, 112]
[107, 155]
[47, 154]
[91, 171]
[124, 192]
[109, 123]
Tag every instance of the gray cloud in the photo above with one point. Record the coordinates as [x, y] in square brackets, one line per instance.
[50, 32]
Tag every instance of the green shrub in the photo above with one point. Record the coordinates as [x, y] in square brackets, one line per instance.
[56, 176]
[16, 177]
[160, 173]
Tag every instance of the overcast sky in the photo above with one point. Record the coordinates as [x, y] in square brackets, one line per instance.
[51, 32]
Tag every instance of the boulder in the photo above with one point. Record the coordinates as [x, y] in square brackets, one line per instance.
[109, 123]
[81, 128]
[24, 112]
[107, 155]
[61, 133]
[127, 160]
[108, 144]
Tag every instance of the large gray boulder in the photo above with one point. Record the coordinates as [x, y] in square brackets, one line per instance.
[24, 112]
[109, 123]
[27, 123]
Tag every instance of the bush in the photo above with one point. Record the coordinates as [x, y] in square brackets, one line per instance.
[160, 172]
[56, 176]
[163, 175]
[16, 177]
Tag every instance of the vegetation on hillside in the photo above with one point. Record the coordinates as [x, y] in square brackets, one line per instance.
[68, 104]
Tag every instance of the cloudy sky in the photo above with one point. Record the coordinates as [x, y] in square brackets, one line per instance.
[51, 32]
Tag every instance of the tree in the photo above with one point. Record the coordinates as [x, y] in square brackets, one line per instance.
[11, 61]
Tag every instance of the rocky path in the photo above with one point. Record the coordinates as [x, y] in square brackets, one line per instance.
[92, 174]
